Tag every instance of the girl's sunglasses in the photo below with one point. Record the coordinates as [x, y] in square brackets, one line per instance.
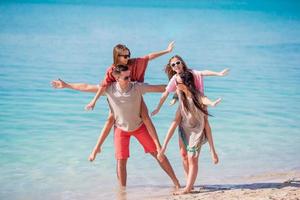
[173, 64]
[124, 56]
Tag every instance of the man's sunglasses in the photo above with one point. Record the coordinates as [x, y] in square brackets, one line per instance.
[173, 64]
[126, 78]
[124, 56]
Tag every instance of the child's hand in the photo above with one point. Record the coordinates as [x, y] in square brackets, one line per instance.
[170, 47]
[93, 154]
[58, 84]
[154, 112]
[90, 106]
[224, 72]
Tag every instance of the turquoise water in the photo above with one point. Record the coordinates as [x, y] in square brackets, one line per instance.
[46, 136]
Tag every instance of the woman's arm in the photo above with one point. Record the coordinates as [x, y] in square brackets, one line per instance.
[83, 87]
[160, 53]
[224, 72]
[161, 102]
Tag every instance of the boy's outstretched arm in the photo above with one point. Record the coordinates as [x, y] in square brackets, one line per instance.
[224, 72]
[83, 87]
[160, 53]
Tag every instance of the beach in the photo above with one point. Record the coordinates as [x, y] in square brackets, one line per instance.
[46, 136]
[281, 186]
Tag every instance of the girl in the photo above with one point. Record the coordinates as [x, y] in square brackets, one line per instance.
[190, 117]
[176, 66]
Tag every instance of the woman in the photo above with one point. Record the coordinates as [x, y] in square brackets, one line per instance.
[176, 66]
[190, 117]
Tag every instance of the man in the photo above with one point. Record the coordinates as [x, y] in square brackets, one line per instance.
[125, 98]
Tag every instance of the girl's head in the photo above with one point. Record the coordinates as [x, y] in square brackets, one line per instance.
[176, 65]
[121, 55]
[186, 87]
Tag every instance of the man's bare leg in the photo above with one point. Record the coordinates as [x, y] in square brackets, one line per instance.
[122, 172]
[166, 166]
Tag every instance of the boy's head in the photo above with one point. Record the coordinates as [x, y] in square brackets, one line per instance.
[121, 54]
[121, 73]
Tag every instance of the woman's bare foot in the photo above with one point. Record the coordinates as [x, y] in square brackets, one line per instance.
[181, 192]
[215, 157]
[94, 154]
[216, 102]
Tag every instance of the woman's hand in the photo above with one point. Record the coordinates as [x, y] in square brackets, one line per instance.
[224, 72]
[90, 106]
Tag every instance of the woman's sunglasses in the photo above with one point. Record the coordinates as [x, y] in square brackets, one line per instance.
[173, 64]
[124, 56]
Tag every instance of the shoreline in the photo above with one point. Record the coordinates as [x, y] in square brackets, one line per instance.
[285, 185]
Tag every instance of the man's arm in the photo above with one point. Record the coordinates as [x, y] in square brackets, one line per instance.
[224, 72]
[154, 88]
[160, 53]
[83, 87]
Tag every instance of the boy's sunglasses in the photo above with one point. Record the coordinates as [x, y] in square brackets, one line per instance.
[173, 64]
[124, 56]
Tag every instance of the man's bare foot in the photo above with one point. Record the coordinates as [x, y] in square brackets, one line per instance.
[215, 157]
[216, 102]
[177, 185]
[94, 154]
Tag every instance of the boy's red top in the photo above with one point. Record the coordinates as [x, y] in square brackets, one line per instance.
[137, 66]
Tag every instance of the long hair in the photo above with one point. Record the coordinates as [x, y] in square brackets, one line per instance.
[168, 69]
[188, 80]
[118, 49]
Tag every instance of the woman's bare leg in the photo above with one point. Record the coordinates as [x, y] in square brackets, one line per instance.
[184, 157]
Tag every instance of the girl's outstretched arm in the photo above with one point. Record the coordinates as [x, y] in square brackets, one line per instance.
[206, 101]
[224, 72]
[83, 87]
[160, 53]
[161, 102]
[169, 135]
[91, 105]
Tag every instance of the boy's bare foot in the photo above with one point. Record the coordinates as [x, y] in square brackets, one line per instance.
[94, 154]
[216, 102]
[215, 157]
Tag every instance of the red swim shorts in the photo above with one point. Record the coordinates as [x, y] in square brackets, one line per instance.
[122, 138]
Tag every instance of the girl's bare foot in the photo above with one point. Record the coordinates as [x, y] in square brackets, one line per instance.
[216, 102]
[215, 157]
[177, 185]
[172, 102]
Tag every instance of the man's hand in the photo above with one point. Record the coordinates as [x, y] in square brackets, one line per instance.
[94, 154]
[58, 84]
[154, 112]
